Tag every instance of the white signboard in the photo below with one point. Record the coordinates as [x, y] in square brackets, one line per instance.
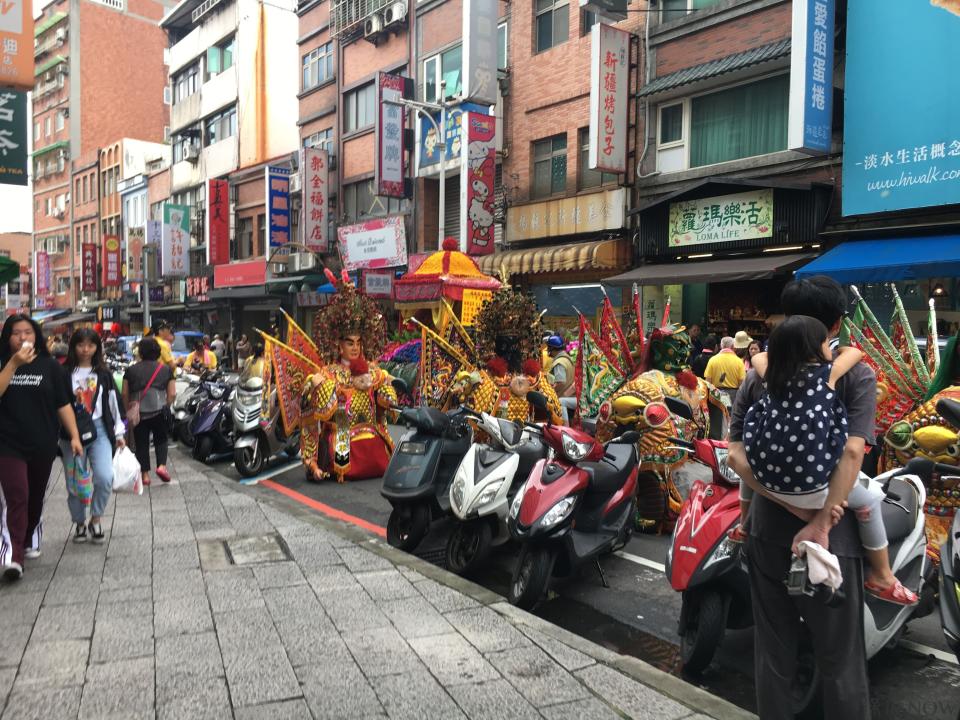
[175, 249]
[315, 177]
[379, 243]
[480, 51]
[609, 78]
[377, 284]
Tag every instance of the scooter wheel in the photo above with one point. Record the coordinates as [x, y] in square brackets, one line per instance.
[203, 448]
[248, 461]
[186, 437]
[530, 577]
[407, 526]
[468, 546]
[703, 633]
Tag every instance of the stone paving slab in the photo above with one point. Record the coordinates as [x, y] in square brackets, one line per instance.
[158, 623]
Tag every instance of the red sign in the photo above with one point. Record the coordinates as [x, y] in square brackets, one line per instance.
[135, 241]
[476, 195]
[240, 274]
[88, 268]
[111, 261]
[218, 222]
[198, 287]
[315, 178]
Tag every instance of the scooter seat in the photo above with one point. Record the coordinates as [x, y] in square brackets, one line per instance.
[898, 523]
[609, 475]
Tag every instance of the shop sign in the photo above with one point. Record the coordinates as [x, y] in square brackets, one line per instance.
[390, 127]
[312, 299]
[88, 267]
[42, 264]
[240, 274]
[157, 294]
[16, 48]
[198, 288]
[728, 218]
[13, 132]
[218, 222]
[151, 267]
[378, 284]
[135, 255]
[901, 105]
[175, 260]
[609, 78]
[811, 77]
[278, 205]
[477, 171]
[479, 32]
[108, 313]
[42, 302]
[315, 168]
[595, 212]
[653, 302]
[471, 303]
[111, 261]
[428, 149]
[379, 243]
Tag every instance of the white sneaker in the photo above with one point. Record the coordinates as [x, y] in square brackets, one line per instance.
[31, 553]
[13, 571]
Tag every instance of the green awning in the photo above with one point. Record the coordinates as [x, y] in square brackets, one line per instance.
[52, 62]
[9, 270]
[51, 148]
[54, 19]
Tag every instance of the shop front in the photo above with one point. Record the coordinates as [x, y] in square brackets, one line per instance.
[243, 291]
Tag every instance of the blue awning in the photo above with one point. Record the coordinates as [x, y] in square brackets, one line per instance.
[41, 315]
[871, 261]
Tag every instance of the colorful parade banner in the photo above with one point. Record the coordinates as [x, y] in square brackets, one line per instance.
[299, 340]
[290, 372]
[596, 376]
[611, 334]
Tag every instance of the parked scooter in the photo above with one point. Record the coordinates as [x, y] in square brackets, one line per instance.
[212, 426]
[949, 410]
[258, 439]
[483, 487]
[576, 505]
[190, 390]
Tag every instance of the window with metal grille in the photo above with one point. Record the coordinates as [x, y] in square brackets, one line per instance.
[550, 166]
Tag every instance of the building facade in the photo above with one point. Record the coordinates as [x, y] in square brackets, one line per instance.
[15, 295]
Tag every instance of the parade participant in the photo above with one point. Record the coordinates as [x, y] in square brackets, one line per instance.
[201, 358]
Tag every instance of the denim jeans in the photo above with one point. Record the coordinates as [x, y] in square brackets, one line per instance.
[100, 456]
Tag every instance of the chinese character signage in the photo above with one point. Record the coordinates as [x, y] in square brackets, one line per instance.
[218, 222]
[901, 106]
[378, 284]
[13, 132]
[429, 146]
[391, 122]
[480, 50]
[136, 237]
[152, 258]
[609, 78]
[379, 243]
[278, 206]
[111, 261]
[42, 265]
[198, 288]
[175, 249]
[88, 267]
[811, 77]
[316, 164]
[729, 218]
[473, 300]
[477, 173]
[594, 212]
[16, 46]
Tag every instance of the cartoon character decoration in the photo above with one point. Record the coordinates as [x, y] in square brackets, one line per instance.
[481, 157]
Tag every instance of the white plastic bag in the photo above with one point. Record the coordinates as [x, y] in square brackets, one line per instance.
[126, 472]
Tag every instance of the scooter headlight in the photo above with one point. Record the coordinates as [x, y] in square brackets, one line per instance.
[517, 502]
[728, 472]
[488, 494]
[558, 512]
[216, 392]
[456, 492]
[724, 550]
[248, 399]
[575, 451]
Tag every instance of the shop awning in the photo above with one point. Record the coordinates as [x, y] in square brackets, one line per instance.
[9, 270]
[43, 315]
[52, 62]
[867, 261]
[732, 270]
[166, 308]
[73, 318]
[596, 255]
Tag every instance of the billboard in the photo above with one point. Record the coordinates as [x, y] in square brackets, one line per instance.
[477, 173]
[811, 77]
[901, 106]
[609, 78]
[379, 243]
[13, 135]
[480, 50]
[136, 237]
[111, 262]
[278, 206]
[390, 126]
[174, 251]
[428, 151]
[218, 222]
[316, 163]
[16, 45]
[88, 267]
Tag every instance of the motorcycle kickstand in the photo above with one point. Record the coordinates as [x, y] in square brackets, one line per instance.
[603, 579]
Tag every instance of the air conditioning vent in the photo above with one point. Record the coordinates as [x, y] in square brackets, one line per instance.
[192, 154]
[299, 262]
[61, 35]
[373, 26]
[394, 14]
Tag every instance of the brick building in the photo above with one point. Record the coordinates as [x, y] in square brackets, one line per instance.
[17, 246]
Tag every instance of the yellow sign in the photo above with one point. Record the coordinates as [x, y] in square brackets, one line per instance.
[473, 300]
[16, 45]
[595, 212]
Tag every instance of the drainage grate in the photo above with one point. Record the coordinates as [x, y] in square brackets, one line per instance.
[255, 550]
[434, 556]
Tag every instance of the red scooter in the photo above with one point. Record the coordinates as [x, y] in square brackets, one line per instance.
[702, 562]
[577, 504]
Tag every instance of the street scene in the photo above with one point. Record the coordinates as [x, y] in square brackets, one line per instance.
[380, 358]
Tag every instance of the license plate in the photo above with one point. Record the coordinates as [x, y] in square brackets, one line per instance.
[413, 448]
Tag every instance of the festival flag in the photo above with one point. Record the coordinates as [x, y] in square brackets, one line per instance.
[611, 334]
[856, 321]
[300, 341]
[638, 351]
[290, 370]
[933, 347]
[596, 376]
[666, 313]
[905, 342]
[439, 364]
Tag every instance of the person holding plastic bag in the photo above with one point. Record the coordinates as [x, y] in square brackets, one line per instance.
[96, 405]
[148, 388]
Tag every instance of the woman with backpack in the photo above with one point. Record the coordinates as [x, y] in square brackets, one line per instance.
[101, 428]
[148, 389]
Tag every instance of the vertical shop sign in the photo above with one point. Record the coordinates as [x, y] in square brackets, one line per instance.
[278, 205]
[13, 134]
[42, 265]
[609, 77]
[135, 241]
[88, 268]
[477, 172]
[316, 162]
[390, 127]
[151, 263]
[111, 261]
[480, 51]
[16, 46]
[174, 257]
[218, 222]
[811, 77]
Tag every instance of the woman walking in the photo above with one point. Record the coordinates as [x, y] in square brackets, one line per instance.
[34, 402]
[151, 383]
[93, 388]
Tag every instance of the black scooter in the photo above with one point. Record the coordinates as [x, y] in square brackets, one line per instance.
[949, 410]
[212, 426]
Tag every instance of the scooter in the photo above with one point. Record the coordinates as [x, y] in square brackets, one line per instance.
[258, 439]
[949, 410]
[484, 486]
[212, 426]
[185, 406]
[577, 504]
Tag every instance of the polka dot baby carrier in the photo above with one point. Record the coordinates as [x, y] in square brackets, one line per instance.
[793, 443]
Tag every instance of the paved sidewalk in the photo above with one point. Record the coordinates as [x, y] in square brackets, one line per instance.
[326, 622]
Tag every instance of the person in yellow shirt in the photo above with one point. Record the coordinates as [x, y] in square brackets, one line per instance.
[200, 359]
[725, 370]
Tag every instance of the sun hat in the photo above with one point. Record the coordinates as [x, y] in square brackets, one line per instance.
[741, 340]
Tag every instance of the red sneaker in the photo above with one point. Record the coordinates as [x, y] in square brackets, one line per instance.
[896, 593]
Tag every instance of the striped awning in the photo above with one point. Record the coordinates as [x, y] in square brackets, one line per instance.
[52, 62]
[596, 255]
[54, 19]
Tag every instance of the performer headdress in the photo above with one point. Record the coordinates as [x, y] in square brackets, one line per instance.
[350, 312]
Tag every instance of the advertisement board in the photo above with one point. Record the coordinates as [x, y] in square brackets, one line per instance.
[379, 243]
[390, 127]
[136, 237]
[13, 132]
[428, 150]
[42, 264]
[728, 218]
[477, 172]
[479, 32]
[278, 205]
[218, 222]
[111, 262]
[16, 47]
[316, 163]
[378, 284]
[811, 77]
[240, 274]
[174, 252]
[609, 78]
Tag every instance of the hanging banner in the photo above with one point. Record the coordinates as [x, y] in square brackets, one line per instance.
[13, 128]
[240, 274]
[218, 222]
[428, 148]
[316, 164]
[278, 205]
[811, 77]
[16, 46]
[154, 239]
[198, 288]
[133, 270]
[728, 218]
[379, 243]
[174, 253]
[42, 265]
[473, 300]
[378, 284]
[477, 172]
[479, 32]
[88, 267]
[609, 77]
[111, 261]
[390, 128]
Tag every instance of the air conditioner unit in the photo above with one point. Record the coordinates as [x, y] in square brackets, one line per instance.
[295, 182]
[373, 25]
[299, 262]
[395, 13]
[61, 35]
[192, 154]
[58, 212]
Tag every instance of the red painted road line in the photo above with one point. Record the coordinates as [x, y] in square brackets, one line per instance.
[325, 509]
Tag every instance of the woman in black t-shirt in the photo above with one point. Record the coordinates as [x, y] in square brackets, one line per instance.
[34, 401]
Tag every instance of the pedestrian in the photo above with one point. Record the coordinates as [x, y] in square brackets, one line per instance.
[562, 370]
[93, 387]
[836, 632]
[741, 346]
[152, 383]
[725, 370]
[254, 365]
[200, 359]
[244, 350]
[162, 332]
[696, 345]
[699, 362]
[219, 347]
[752, 349]
[34, 402]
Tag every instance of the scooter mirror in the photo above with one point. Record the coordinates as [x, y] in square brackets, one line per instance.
[400, 386]
[678, 408]
[627, 438]
[538, 400]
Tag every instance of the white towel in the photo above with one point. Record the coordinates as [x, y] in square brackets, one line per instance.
[822, 565]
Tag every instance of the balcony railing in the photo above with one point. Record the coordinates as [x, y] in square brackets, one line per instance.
[347, 16]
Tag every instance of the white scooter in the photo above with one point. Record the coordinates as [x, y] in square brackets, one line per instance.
[258, 439]
[483, 488]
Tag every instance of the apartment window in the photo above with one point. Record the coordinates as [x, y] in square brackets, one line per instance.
[60, 120]
[220, 126]
[359, 108]
[550, 166]
[587, 20]
[36, 128]
[445, 67]
[672, 9]
[77, 197]
[185, 83]
[318, 66]
[261, 234]
[61, 161]
[587, 178]
[503, 45]
[85, 196]
[552, 25]
[48, 125]
[220, 57]
[245, 238]
[63, 284]
[360, 203]
[322, 140]
[49, 206]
